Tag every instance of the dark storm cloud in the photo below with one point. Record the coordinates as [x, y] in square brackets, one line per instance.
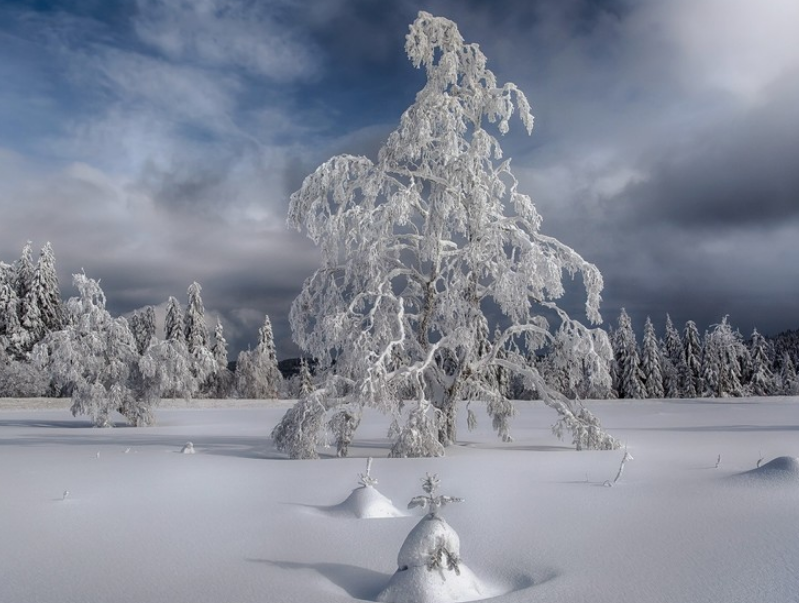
[156, 143]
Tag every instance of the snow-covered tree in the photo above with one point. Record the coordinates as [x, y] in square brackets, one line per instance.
[12, 336]
[724, 353]
[45, 292]
[692, 357]
[194, 319]
[651, 364]
[21, 378]
[424, 251]
[223, 378]
[257, 374]
[23, 271]
[789, 381]
[201, 360]
[761, 382]
[95, 357]
[142, 325]
[630, 378]
[674, 369]
[173, 323]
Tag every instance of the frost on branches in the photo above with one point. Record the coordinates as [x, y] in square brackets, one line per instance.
[424, 252]
[96, 358]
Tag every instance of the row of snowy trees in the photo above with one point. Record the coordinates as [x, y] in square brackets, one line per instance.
[119, 364]
[719, 364]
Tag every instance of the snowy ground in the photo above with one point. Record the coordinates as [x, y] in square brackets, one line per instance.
[235, 523]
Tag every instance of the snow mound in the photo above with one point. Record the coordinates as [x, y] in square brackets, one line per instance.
[781, 469]
[366, 502]
[417, 582]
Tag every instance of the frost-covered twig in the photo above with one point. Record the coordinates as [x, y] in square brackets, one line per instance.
[365, 479]
[430, 485]
[627, 457]
[718, 462]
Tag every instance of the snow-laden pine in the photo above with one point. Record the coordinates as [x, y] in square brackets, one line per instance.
[424, 251]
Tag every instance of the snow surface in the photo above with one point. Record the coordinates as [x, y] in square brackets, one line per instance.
[92, 515]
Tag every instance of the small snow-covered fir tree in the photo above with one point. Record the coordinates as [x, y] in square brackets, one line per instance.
[692, 356]
[429, 564]
[257, 374]
[651, 364]
[630, 378]
[424, 251]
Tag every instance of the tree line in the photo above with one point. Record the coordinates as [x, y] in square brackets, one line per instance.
[75, 348]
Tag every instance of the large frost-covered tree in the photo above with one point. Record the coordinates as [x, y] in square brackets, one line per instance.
[142, 325]
[674, 370]
[424, 251]
[761, 382]
[722, 361]
[173, 321]
[223, 377]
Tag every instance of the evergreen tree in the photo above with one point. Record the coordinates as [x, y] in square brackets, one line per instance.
[631, 379]
[692, 357]
[761, 382]
[675, 372]
[257, 374]
[12, 336]
[651, 368]
[201, 360]
[194, 319]
[23, 269]
[223, 379]
[173, 323]
[789, 381]
[724, 353]
[45, 292]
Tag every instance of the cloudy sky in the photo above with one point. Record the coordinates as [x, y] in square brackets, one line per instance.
[156, 142]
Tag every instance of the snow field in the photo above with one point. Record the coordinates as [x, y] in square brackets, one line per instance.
[235, 522]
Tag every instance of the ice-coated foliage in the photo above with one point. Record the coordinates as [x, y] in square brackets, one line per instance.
[95, 357]
[425, 250]
[651, 364]
[257, 374]
[674, 369]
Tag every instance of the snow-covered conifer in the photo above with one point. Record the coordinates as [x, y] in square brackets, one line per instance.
[674, 369]
[257, 374]
[23, 270]
[651, 365]
[173, 323]
[417, 245]
[631, 379]
[789, 381]
[223, 379]
[45, 290]
[761, 382]
[194, 319]
[12, 336]
[724, 353]
[692, 359]
[202, 362]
